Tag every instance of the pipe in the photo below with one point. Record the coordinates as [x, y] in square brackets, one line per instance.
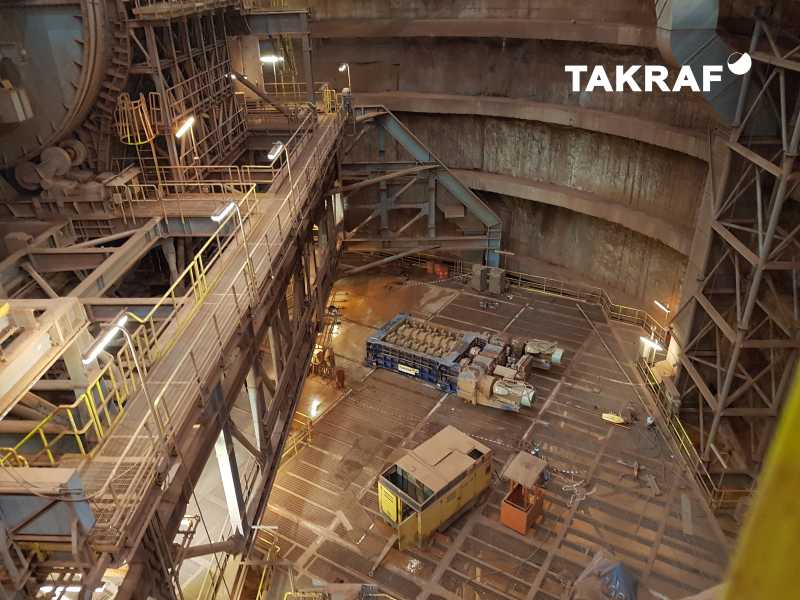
[103, 240]
[20, 411]
[383, 261]
[233, 545]
[262, 94]
[28, 267]
[25, 427]
[382, 178]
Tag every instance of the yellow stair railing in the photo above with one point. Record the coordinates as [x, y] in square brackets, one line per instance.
[100, 408]
[95, 413]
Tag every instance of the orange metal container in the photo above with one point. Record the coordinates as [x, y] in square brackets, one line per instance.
[519, 511]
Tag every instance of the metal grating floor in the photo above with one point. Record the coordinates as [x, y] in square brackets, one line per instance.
[477, 557]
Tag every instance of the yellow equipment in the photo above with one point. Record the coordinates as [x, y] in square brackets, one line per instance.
[430, 487]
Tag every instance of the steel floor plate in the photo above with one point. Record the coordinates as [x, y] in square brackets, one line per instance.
[477, 557]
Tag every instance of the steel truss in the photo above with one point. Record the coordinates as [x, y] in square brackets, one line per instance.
[480, 228]
[742, 341]
[186, 59]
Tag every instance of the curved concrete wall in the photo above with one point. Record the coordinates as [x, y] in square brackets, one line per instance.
[526, 69]
[611, 255]
[606, 184]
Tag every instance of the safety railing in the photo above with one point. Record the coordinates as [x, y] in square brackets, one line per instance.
[720, 496]
[302, 434]
[267, 544]
[551, 287]
[12, 458]
[92, 417]
[292, 95]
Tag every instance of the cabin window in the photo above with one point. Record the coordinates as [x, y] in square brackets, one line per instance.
[408, 484]
[475, 454]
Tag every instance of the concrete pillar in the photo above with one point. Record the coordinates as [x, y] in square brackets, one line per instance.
[255, 408]
[168, 246]
[229, 471]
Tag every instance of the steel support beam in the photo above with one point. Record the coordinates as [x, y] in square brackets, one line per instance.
[104, 276]
[739, 319]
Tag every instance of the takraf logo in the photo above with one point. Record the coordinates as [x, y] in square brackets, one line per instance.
[741, 66]
[656, 76]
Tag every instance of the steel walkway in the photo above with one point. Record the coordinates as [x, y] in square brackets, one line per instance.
[183, 352]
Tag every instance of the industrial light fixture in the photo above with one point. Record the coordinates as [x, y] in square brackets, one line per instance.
[97, 348]
[651, 343]
[271, 59]
[661, 306]
[222, 212]
[185, 127]
[102, 342]
[71, 589]
[277, 148]
[342, 68]
[274, 153]
[218, 216]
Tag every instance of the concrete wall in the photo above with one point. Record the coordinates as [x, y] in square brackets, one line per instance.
[527, 69]
[644, 178]
[628, 11]
[604, 252]
[610, 175]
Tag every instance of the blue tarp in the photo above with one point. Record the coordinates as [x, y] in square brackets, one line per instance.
[621, 582]
[622, 585]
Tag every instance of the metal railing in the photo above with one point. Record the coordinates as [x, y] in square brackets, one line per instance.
[267, 543]
[292, 95]
[552, 287]
[302, 434]
[720, 496]
[92, 417]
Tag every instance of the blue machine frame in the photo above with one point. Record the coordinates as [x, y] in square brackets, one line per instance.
[441, 372]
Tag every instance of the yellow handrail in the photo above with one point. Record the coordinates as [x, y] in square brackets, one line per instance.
[101, 406]
[19, 460]
[271, 553]
[719, 497]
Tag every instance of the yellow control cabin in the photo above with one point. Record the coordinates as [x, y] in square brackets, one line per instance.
[430, 487]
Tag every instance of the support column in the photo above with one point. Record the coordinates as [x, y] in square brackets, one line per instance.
[307, 67]
[155, 64]
[383, 184]
[229, 471]
[168, 246]
[257, 405]
[431, 204]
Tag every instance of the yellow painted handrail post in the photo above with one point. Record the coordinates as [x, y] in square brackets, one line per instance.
[765, 562]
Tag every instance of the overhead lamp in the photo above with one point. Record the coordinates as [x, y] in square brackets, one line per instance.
[661, 306]
[185, 127]
[222, 212]
[277, 148]
[271, 59]
[97, 348]
[72, 589]
[219, 215]
[342, 68]
[102, 342]
[652, 344]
